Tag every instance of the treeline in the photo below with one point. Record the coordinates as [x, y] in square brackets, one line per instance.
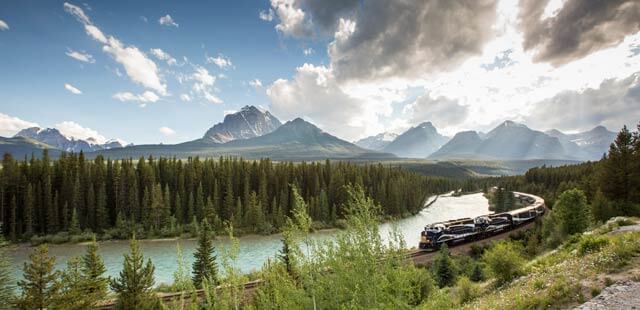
[501, 200]
[168, 197]
[611, 185]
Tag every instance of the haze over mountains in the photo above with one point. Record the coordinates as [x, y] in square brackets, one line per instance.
[56, 139]
[417, 142]
[254, 133]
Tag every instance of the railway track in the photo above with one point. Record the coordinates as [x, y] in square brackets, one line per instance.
[419, 257]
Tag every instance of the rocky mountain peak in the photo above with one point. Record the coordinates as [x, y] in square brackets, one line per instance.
[249, 122]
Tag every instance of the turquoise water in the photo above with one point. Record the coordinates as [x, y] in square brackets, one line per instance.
[254, 250]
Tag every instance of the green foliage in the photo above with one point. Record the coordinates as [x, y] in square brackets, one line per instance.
[444, 270]
[181, 277]
[505, 261]
[74, 292]
[40, 287]
[477, 274]
[204, 266]
[465, 290]
[93, 270]
[572, 212]
[135, 282]
[590, 243]
[601, 209]
[160, 197]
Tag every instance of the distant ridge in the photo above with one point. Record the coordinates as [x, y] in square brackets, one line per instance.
[56, 140]
[254, 133]
[417, 142]
[377, 142]
[515, 141]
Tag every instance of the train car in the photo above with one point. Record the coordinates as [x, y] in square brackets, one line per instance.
[463, 230]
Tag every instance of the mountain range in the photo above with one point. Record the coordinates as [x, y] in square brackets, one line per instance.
[377, 142]
[254, 133]
[54, 138]
[417, 142]
[511, 140]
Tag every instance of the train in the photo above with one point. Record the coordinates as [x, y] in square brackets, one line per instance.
[471, 229]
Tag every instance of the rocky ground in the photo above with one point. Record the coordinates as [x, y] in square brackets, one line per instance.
[621, 295]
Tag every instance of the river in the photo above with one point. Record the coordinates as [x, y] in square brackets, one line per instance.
[254, 250]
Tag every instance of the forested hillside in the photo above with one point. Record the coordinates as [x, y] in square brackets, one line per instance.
[168, 197]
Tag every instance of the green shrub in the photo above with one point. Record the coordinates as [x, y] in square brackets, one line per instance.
[440, 299]
[505, 261]
[465, 290]
[595, 291]
[423, 284]
[590, 244]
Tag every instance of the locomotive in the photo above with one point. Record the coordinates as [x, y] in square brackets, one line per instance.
[471, 229]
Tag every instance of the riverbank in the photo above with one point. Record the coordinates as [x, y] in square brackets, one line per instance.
[64, 238]
[255, 250]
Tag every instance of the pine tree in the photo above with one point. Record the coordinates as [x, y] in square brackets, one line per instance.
[135, 282]
[165, 217]
[102, 217]
[93, 270]
[572, 212]
[74, 293]
[204, 266]
[615, 176]
[74, 226]
[13, 229]
[28, 211]
[179, 211]
[601, 209]
[90, 208]
[40, 287]
[477, 274]
[444, 272]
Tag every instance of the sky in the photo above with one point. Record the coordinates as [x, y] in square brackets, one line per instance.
[166, 71]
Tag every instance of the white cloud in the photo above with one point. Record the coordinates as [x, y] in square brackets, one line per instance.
[185, 97]
[307, 51]
[293, 21]
[166, 131]
[81, 56]
[72, 89]
[267, 15]
[444, 112]
[143, 99]
[3, 25]
[137, 65]
[95, 33]
[77, 12]
[613, 103]
[255, 83]
[220, 61]
[203, 84]
[10, 125]
[74, 130]
[167, 20]
[162, 55]
[314, 93]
